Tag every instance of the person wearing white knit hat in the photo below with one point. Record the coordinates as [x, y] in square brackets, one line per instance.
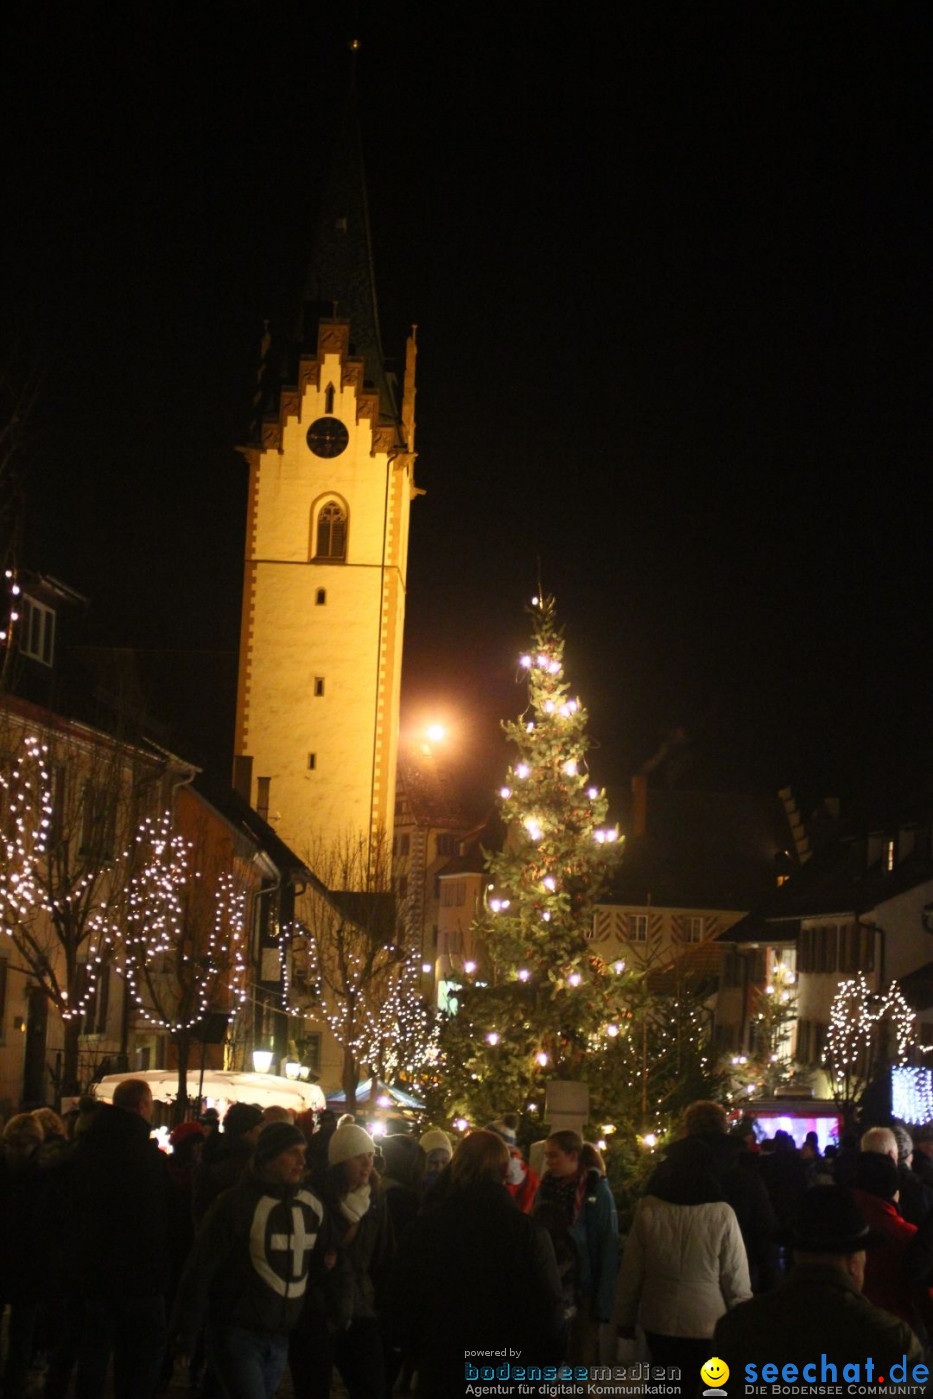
[354, 1195]
[437, 1149]
[349, 1141]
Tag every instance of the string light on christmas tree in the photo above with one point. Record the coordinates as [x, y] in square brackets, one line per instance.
[549, 870]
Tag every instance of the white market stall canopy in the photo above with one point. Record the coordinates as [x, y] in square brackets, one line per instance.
[222, 1086]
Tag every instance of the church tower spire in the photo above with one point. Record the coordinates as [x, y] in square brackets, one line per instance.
[331, 482]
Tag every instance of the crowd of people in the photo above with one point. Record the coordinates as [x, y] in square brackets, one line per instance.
[268, 1243]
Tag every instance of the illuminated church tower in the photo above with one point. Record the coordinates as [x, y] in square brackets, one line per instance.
[331, 479]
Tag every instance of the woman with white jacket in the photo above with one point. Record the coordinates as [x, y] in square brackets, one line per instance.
[684, 1263]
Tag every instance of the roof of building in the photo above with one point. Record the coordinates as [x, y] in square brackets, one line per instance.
[700, 850]
[695, 965]
[849, 875]
[243, 817]
[341, 281]
[340, 284]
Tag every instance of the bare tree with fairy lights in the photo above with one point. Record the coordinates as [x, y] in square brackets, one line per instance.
[70, 799]
[362, 965]
[180, 922]
[867, 1031]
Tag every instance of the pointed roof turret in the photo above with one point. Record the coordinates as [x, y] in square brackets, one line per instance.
[341, 283]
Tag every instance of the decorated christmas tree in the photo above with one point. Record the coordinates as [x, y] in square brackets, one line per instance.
[540, 1003]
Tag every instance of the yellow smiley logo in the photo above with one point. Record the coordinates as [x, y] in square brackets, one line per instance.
[715, 1372]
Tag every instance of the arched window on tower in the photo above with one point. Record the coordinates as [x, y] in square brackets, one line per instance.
[331, 532]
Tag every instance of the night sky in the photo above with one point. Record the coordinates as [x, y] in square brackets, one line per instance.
[671, 269]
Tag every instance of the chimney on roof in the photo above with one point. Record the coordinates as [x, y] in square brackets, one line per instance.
[640, 804]
[795, 821]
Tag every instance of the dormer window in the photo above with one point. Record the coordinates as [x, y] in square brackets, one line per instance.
[37, 638]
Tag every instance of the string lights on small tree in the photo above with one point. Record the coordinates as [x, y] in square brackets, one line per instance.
[361, 965]
[59, 873]
[181, 925]
[867, 1029]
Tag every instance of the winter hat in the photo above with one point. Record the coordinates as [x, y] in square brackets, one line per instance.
[401, 1155]
[435, 1140]
[349, 1140]
[503, 1129]
[876, 1175]
[275, 1138]
[185, 1132]
[905, 1142]
[830, 1221]
[241, 1118]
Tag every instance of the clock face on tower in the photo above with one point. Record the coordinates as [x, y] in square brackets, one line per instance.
[327, 437]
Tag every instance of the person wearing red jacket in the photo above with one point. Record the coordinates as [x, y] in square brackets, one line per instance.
[521, 1181]
[887, 1281]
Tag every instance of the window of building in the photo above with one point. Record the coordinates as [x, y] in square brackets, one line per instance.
[262, 796]
[403, 886]
[318, 686]
[98, 822]
[37, 638]
[724, 1037]
[445, 843]
[57, 789]
[331, 533]
[733, 969]
[329, 399]
[637, 927]
[404, 844]
[889, 856]
[453, 893]
[94, 992]
[693, 929]
[312, 761]
[320, 597]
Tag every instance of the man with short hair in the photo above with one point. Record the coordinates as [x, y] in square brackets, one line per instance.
[882, 1140]
[117, 1209]
[818, 1316]
[248, 1273]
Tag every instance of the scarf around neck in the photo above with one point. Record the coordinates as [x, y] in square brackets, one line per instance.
[566, 1191]
[355, 1204]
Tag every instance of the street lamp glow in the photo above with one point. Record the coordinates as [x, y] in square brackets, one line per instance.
[436, 733]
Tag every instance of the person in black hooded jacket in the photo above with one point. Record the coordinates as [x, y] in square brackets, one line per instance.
[117, 1209]
[475, 1274]
[707, 1123]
